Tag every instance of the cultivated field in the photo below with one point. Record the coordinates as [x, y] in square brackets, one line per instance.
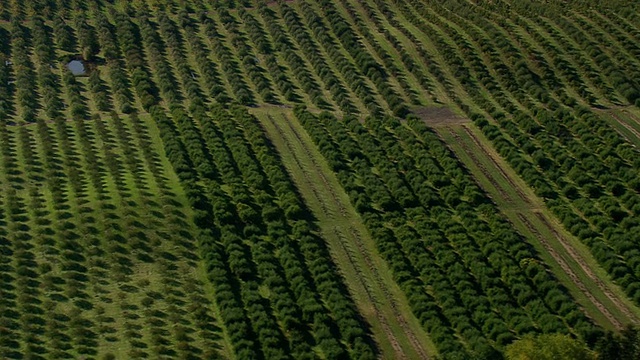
[317, 179]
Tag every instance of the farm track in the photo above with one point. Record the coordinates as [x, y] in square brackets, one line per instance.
[587, 270]
[633, 117]
[362, 249]
[481, 166]
[504, 174]
[624, 124]
[334, 196]
[525, 214]
[343, 240]
[368, 276]
[566, 268]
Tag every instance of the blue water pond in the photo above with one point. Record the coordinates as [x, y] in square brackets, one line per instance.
[76, 67]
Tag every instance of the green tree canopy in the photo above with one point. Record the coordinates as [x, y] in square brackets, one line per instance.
[623, 346]
[549, 347]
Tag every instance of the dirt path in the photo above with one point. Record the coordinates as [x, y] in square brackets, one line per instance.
[363, 250]
[368, 277]
[343, 241]
[439, 116]
[316, 166]
[631, 116]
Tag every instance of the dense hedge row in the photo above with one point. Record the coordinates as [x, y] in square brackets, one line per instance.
[365, 62]
[283, 44]
[249, 59]
[241, 91]
[311, 51]
[263, 45]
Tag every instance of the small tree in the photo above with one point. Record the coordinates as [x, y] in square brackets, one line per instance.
[549, 347]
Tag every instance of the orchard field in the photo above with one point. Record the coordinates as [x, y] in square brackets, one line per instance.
[318, 179]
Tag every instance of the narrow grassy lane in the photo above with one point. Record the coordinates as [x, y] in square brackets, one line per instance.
[569, 259]
[397, 332]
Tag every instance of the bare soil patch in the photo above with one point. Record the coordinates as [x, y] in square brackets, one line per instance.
[439, 116]
[272, 3]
